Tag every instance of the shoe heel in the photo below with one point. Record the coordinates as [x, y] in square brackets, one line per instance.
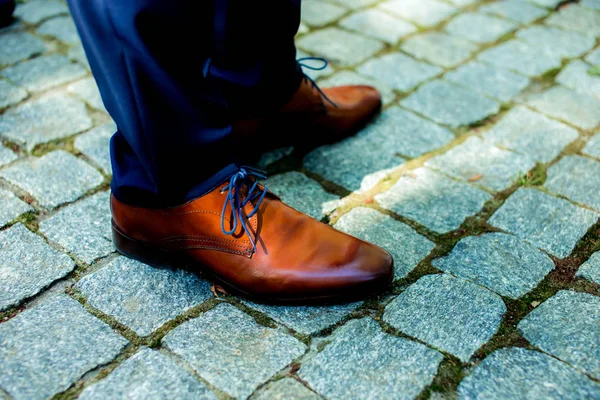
[141, 251]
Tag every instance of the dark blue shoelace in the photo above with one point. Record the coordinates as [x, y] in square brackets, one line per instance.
[245, 177]
[322, 67]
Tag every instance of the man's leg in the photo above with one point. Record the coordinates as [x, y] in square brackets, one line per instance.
[174, 75]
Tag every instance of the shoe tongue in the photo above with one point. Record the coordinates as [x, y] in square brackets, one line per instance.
[244, 190]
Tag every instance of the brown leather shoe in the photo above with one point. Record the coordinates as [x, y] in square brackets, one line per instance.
[249, 240]
[313, 116]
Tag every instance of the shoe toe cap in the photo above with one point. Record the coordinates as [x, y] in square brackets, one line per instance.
[374, 267]
[369, 270]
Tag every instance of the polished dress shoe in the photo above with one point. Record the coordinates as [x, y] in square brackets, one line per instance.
[313, 116]
[253, 244]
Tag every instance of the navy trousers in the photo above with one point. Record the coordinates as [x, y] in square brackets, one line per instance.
[174, 75]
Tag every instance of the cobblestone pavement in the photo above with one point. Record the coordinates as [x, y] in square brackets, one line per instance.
[481, 176]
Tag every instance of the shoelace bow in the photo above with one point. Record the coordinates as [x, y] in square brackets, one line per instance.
[245, 177]
[322, 67]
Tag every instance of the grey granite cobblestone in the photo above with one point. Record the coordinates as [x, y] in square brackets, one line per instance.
[378, 24]
[431, 199]
[516, 10]
[379, 146]
[461, 3]
[11, 207]
[576, 76]
[45, 349]
[449, 104]
[439, 48]
[590, 269]
[550, 223]
[577, 178]
[54, 179]
[406, 246]
[566, 326]
[340, 47]
[301, 193]
[579, 109]
[286, 388]
[303, 28]
[43, 73]
[485, 164]
[306, 319]
[517, 373]
[35, 11]
[521, 57]
[448, 313]
[95, 144]
[399, 71]
[501, 262]
[83, 228]
[77, 53]
[577, 18]
[87, 90]
[354, 4]
[592, 147]
[10, 94]
[348, 161]
[142, 297]
[530, 133]
[46, 118]
[27, 265]
[18, 46]
[594, 56]
[396, 129]
[425, 13]
[270, 157]
[479, 28]
[593, 4]
[235, 353]
[318, 13]
[547, 3]
[148, 374]
[557, 42]
[333, 162]
[371, 180]
[61, 28]
[363, 362]
[6, 155]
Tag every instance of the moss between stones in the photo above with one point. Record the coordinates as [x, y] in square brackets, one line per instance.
[259, 317]
[329, 186]
[448, 377]
[66, 144]
[549, 76]
[11, 313]
[29, 219]
[98, 373]
[11, 145]
[109, 320]
[535, 177]
[153, 341]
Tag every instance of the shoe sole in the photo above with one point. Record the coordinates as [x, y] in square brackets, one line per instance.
[161, 258]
